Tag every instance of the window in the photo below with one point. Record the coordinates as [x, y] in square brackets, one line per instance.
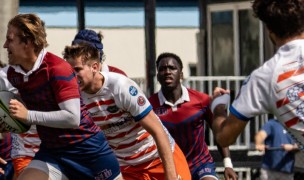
[234, 39]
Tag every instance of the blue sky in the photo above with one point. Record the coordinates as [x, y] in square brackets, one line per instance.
[116, 17]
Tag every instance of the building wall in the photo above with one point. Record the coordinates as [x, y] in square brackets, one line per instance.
[125, 47]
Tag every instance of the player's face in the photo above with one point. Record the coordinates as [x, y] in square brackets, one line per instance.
[15, 48]
[169, 73]
[85, 75]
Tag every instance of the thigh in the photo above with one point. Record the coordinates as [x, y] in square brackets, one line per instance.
[42, 170]
[94, 159]
[155, 169]
[181, 164]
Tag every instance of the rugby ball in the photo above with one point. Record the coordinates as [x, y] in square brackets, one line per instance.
[7, 123]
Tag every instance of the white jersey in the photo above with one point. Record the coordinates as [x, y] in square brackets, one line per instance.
[277, 87]
[25, 144]
[116, 108]
[5, 85]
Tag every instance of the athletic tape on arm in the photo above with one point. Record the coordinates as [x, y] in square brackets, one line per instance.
[223, 99]
[227, 162]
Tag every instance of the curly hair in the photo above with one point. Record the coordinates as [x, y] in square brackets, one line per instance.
[169, 55]
[285, 18]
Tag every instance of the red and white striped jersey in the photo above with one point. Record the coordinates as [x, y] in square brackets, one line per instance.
[26, 144]
[116, 108]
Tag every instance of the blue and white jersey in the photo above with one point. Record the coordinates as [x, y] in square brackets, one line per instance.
[277, 87]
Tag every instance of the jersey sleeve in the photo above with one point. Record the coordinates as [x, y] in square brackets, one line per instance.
[130, 98]
[206, 103]
[254, 96]
[268, 127]
[64, 82]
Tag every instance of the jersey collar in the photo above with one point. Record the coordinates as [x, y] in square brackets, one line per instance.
[182, 99]
[35, 67]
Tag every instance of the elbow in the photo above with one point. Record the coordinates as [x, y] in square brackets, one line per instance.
[224, 141]
[73, 122]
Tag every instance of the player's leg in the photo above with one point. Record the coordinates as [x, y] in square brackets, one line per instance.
[155, 169]
[181, 163]
[90, 159]
[42, 170]
[20, 164]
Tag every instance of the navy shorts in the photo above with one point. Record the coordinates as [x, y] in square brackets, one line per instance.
[90, 159]
[204, 170]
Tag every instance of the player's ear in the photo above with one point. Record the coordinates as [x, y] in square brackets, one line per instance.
[181, 76]
[96, 66]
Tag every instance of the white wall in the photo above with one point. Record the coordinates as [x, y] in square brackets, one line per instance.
[125, 47]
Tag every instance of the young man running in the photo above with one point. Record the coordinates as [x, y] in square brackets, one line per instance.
[142, 145]
[72, 145]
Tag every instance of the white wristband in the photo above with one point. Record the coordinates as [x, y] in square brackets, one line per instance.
[223, 99]
[227, 162]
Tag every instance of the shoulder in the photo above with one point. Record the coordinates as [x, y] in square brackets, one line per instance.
[193, 94]
[116, 70]
[153, 98]
[117, 82]
[56, 64]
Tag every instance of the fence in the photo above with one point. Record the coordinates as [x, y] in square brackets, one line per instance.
[245, 158]
[233, 83]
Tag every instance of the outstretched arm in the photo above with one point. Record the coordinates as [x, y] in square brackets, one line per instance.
[226, 129]
[259, 139]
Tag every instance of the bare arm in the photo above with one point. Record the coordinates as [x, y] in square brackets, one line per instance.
[152, 124]
[259, 139]
[226, 129]
[225, 154]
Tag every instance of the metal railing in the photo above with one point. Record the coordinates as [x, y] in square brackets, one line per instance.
[206, 84]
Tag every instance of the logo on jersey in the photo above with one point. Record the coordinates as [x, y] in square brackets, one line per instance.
[161, 111]
[105, 174]
[294, 95]
[112, 109]
[133, 91]
[141, 100]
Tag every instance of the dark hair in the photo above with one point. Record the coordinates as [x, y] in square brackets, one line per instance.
[169, 55]
[285, 18]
